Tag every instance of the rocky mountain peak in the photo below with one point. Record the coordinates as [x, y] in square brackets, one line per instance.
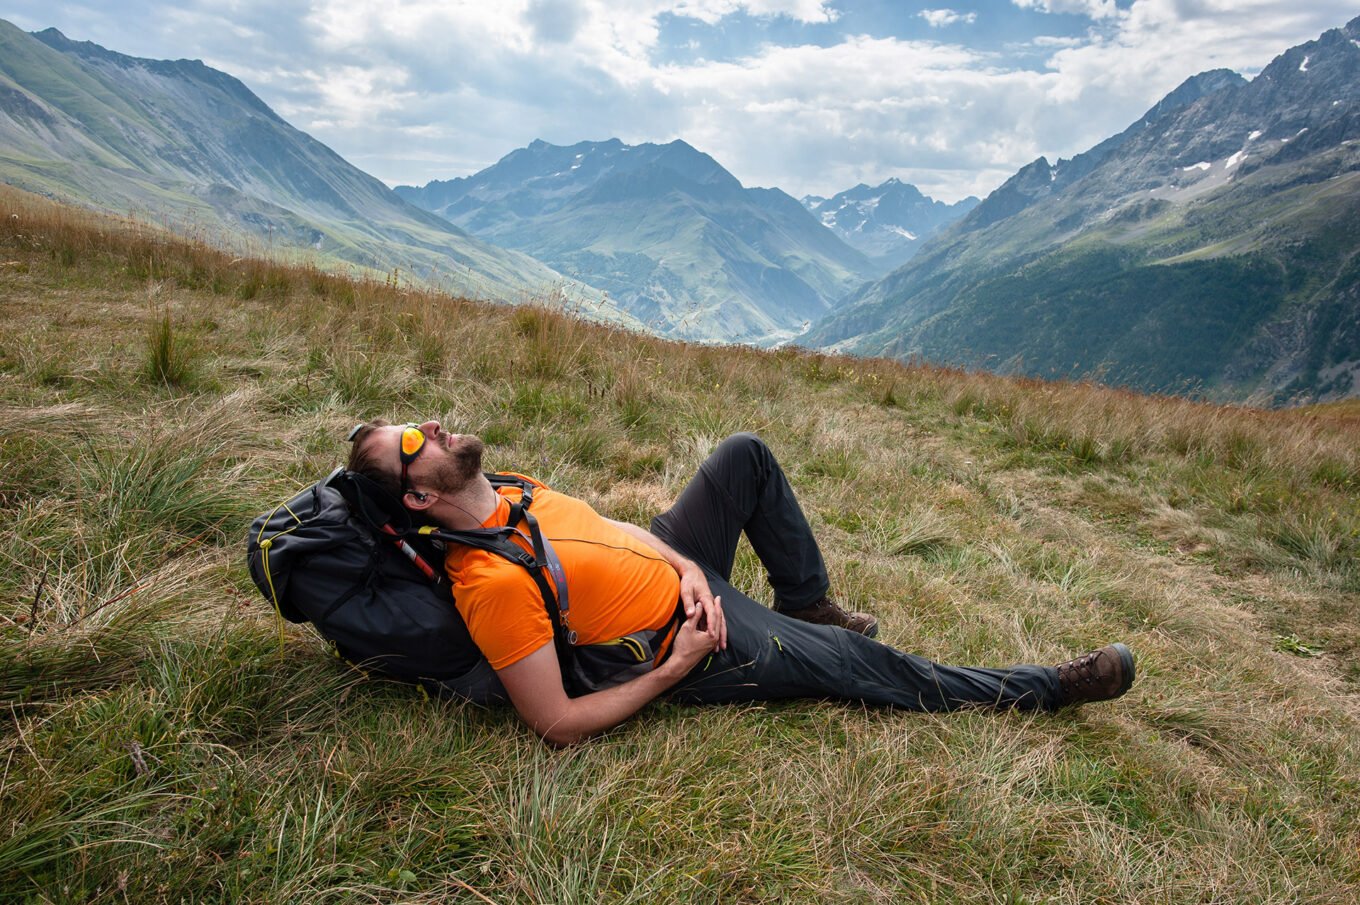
[1208, 246]
[887, 221]
[1191, 90]
[1031, 182]
[665, 229]
[190, 70]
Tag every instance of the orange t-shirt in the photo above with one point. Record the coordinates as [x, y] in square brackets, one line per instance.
[617, 585]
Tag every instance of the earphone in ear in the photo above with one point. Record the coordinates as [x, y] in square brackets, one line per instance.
[418, 495]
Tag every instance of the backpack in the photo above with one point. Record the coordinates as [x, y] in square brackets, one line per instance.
[376, 603]
[345, 556]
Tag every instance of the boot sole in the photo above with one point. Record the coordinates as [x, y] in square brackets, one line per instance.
[1126, 665]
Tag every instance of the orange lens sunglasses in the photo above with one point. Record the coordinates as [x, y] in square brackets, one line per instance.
[412, 444]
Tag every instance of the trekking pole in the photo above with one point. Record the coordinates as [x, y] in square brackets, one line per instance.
[412, 554]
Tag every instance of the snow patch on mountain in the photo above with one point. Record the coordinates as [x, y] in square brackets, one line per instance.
[1202, 165]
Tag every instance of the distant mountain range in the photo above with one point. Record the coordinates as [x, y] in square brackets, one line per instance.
[675, 239]
[179, 141]
[1210, 248]
[888, 222]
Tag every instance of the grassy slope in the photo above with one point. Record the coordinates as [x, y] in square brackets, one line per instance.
[159, 744]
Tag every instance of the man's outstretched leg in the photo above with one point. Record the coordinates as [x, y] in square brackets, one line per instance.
[740, 487]
[769, 657]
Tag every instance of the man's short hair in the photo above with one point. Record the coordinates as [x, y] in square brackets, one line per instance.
[365, 459]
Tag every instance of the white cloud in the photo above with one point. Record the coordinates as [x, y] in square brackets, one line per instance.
[713, 11]
[1092, 9]
[939, 18]
[808, 118]
[1159, 43]
[1057, 41]
[413, 90]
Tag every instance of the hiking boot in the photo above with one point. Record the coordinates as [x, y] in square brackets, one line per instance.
[1098, 676]
[825, 612]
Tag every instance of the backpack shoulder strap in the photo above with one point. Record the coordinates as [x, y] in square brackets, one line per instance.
[497, 541]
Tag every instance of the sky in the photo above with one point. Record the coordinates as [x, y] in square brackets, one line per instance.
[811, 96]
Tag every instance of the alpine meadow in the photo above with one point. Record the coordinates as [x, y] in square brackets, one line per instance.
[167, 738]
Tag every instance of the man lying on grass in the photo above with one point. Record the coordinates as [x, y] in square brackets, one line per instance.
[719, 645]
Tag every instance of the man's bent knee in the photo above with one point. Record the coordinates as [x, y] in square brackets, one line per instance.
[742, 445]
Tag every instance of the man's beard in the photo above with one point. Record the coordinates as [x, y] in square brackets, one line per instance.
[457, 468]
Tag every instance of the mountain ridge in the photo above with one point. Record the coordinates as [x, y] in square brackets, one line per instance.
[182, 140]
[1162, 228]
[671, 235]
[889, 233]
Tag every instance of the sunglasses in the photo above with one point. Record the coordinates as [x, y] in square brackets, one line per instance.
[412, 443]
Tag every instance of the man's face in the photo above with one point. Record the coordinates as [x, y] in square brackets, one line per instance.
[446, 463]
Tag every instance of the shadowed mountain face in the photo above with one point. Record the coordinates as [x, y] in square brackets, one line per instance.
[674, 238]
[1209, 248]
[180, 142]
[888, 222]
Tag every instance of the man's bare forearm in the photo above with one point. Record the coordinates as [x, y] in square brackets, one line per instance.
[670, 555]
[535, 688]
[593, 713]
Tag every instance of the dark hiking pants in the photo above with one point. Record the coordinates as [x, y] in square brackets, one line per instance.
[741, 487]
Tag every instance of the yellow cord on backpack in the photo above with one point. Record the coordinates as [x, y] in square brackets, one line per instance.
[265, 544]
[273, 595]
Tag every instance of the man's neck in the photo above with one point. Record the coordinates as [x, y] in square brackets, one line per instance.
[469, 508]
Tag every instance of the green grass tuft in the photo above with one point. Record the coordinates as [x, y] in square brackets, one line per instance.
[169, 354]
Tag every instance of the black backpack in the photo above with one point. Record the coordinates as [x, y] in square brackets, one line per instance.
[344, 555]
[316, 560]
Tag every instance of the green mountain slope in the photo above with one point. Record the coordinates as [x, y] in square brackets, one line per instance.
[672, 236]
[1210, 248]
[181, 142]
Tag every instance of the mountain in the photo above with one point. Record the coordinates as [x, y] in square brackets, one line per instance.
[888, 222]
[673, 237]
[1209, 248]
[181, 142]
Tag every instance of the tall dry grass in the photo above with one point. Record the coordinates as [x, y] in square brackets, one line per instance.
[159, 744]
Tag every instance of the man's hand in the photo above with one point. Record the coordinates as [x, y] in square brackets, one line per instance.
[694, 591]
[692, 643]
[699, 600]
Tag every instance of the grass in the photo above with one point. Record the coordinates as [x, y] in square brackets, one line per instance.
[159, 744]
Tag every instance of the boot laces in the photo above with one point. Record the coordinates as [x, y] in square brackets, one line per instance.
[1082, 669]
[830, 606]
